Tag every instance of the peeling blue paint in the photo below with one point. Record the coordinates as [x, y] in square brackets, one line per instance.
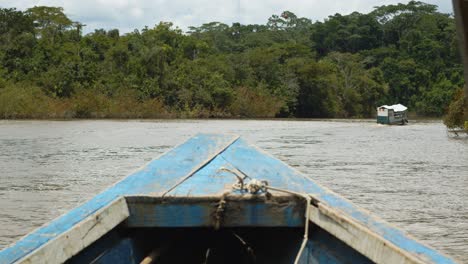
[204, 156]
[156, 177]
[264, 167]
[200, 214]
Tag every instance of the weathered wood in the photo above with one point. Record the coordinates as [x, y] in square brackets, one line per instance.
[152, 256]
[194, 170]
[80, 236]
[239, 211]
[457, 131]
[361, 238]
[156, 177]
[278, 174]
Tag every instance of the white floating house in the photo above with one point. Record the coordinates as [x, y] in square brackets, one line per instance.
[393, 114]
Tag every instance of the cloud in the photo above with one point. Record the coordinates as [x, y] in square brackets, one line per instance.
[128, 15]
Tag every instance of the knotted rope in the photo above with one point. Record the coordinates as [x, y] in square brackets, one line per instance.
[254, 186]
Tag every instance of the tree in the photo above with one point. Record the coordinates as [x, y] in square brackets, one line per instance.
[16, 43]
[350, 33]
[455, 115]
[49, 22]
[289, 66]
[359, 89]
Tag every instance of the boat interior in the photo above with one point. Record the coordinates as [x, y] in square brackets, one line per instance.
[184, 208]
[206, 245]
[136, 241]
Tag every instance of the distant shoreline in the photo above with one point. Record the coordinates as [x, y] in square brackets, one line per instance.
[369, 119]
[287, 66]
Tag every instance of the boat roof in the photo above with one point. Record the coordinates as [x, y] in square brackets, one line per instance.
[395, 107]
[197, 168]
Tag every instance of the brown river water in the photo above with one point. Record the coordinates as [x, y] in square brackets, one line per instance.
[414, 176]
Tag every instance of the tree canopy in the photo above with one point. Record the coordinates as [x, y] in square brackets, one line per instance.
[290, 66]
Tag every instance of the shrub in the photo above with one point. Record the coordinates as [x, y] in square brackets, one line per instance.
[23, 102]
[455, 115]
[153, 108]
[89, 104]
[255, 103]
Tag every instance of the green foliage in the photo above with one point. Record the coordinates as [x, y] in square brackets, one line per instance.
[434, 102]
[349, 33]
[255, 103]
[22, 101]
[317, 98]
[49, 22]
[358, 89]
[344, 66]
[87, 103]
[455, 118]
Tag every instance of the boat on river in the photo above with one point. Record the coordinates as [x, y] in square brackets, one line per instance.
[218, 199]
[392, 114]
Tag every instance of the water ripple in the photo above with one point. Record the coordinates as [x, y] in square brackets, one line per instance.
[413, 176]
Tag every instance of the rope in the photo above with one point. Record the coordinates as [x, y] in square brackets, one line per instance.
[306, 225]
[255, 186]
[219, 214]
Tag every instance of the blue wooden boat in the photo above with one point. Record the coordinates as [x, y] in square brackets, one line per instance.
[217, 199]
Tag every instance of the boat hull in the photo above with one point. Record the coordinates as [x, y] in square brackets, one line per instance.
[189, 192]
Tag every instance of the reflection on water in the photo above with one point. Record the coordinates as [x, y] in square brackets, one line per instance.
[414, 176]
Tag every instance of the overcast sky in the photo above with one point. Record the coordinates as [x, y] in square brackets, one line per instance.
[128, 15]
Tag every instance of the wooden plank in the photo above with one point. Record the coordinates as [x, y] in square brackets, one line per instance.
[361, 238]
[71, 242]
[261, 166]
[238, 211]
[155, 178]
[322, 247]
[197, 165]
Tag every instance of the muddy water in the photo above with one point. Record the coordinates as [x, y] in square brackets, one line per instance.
[414, 176]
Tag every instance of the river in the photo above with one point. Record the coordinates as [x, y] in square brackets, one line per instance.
[414, 176]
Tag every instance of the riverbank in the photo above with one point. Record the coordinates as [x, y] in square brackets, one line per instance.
[125, 108]
[30, 102]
